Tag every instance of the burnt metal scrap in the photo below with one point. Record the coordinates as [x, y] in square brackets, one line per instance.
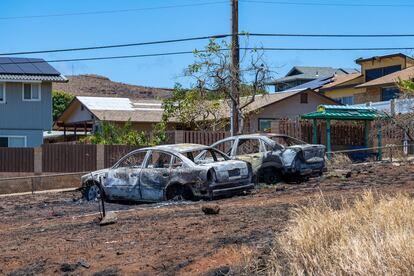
[170, 172]
[275, 157]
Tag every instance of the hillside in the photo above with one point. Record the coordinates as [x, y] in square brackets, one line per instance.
[95, 85]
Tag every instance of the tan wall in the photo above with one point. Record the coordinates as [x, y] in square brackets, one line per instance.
[289, 108]
[348, 91]
[383, 62]
[372, 94]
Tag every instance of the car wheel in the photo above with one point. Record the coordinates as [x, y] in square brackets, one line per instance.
[271, 176]
[179, 193]
[91, 192]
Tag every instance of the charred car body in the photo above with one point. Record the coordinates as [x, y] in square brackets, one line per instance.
[168, 172]
[276, 156]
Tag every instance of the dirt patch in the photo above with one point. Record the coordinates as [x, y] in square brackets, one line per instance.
[167, 238]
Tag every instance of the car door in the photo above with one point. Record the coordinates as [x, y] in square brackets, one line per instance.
[155, 175]
[250, 150]
[122, 181]
[225, 146]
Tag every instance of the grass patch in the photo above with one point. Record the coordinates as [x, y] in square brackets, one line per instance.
[372, 236]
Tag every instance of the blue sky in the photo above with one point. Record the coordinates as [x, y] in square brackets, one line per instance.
[159, 24]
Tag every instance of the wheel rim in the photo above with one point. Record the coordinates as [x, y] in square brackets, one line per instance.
[94, 192]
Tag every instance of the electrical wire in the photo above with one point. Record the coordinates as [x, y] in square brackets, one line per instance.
[112, 11]
[203, 51]
[99, 47]
[116, 45]
[327, 4]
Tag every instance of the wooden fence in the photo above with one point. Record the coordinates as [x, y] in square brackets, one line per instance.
[69, 157]
[16, 159]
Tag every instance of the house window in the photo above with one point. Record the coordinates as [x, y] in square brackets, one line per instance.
[389, 93]
[265, 125]
[304, 98]
[346, 100]
[31, 91]
[376, 73]
[2, 92]
[12, 141]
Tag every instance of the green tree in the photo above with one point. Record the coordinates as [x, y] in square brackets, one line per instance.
[60, 101]
[111, 134]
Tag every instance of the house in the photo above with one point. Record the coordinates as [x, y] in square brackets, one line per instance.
[299, 75]
[84, 114]
[25, 100]
[375, 83]
[272, 107]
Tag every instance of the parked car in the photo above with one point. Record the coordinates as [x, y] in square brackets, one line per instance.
[170, 172]
[275, 156]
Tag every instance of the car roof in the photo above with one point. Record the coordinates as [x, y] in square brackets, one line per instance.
[181, 148]
[256, 135]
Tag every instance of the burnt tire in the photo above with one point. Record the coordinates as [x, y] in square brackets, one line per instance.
[91, 192]
[271, 176]
[179, 193]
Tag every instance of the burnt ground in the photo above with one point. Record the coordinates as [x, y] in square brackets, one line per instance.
[58, 234]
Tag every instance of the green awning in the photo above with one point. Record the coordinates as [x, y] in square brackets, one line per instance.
[344, 112]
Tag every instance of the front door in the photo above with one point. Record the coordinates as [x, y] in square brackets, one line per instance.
[155, 176]
[122, 182]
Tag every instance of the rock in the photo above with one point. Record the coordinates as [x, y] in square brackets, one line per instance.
[280, 188]
[65, 267]
[110, 218]
[348, 174]
[211, 209]
[84, 263]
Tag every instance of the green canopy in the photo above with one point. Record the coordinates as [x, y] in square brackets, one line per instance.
[344, 112]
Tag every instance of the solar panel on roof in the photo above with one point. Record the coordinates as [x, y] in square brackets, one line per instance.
[45, 68]
[26, 67]
[30, 66]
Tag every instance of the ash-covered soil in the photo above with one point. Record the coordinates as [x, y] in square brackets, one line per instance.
[59, 234]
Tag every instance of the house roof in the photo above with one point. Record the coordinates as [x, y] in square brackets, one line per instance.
[338, 80]
[313, 84]
[311, 73]
[405, 74]
[32, 69]
[359, 60]
[123, 109]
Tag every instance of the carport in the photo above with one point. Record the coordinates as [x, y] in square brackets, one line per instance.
[345, 113]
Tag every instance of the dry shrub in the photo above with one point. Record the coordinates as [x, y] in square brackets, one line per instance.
[338, 160]
[369, 237]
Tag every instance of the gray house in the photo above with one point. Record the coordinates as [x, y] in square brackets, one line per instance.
[25, 100]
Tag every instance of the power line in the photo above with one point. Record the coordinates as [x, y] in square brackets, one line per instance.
[330, 35]
[203, 51]
[116, 45]
[99, 47]
[327, 4]
[112, 11]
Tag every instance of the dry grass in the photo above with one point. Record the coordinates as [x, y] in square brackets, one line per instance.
[338, 160]
[372, 236]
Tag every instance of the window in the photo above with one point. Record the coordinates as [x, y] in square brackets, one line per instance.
[304, 98]
[177, 163]
[346, 100]
[134, 160]
[31, 91]
[265, 125]
[389, 93]
[372, 74]
[2, 92]
[225, 146]
[159, 160]
[13, 141]
[248, 146]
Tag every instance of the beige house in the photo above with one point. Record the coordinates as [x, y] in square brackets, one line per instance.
[85, 113]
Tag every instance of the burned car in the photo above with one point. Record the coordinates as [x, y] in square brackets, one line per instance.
[275, 157]
[170, 172]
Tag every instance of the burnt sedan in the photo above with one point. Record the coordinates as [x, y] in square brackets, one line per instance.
[275, 157]
[170, 172]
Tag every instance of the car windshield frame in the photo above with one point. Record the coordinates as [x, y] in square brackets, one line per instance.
[213, 153]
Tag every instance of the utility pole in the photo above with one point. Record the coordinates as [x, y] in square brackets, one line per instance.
[235, 66]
